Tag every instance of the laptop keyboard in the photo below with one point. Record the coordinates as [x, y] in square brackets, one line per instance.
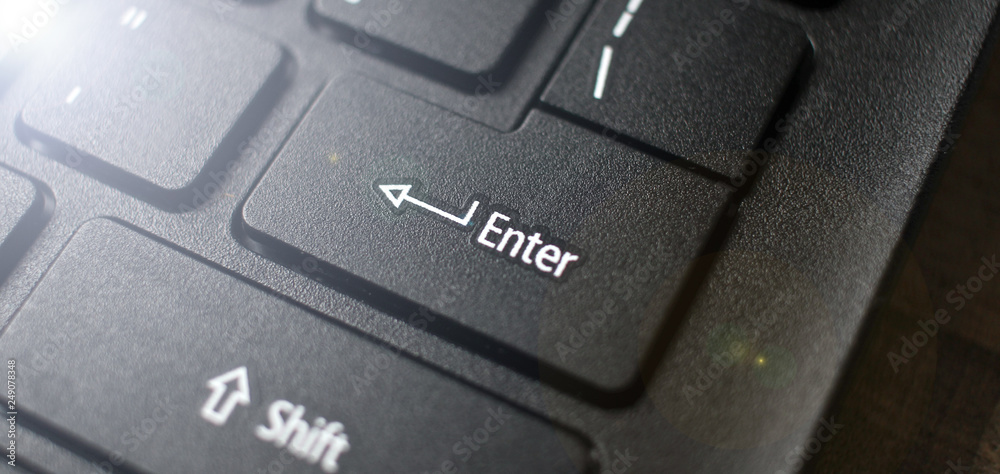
[509, 244]
[219, 218]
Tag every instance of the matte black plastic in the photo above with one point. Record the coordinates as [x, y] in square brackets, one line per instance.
[697, 79]
[24, 210]
[852, 147]
[145, 106]
[133, 350]
[453, 40]
[623, 214]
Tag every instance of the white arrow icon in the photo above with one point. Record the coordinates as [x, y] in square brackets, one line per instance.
[403, 195]
[216, 410]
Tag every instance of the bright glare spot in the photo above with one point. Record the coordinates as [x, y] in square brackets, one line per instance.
[12, 11]
[334, 158]
[23, 22]
[761, 360]
[12, 14]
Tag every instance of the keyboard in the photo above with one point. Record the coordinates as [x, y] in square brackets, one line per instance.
[353, 236]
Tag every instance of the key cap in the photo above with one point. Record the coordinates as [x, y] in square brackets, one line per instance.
[43, 455]
[691, 78]
[165, 364]
[516, 241]
[815, 3]
[153, 99]
[24, 210]
[467, 38]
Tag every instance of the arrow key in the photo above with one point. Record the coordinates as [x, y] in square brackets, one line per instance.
[223, 400]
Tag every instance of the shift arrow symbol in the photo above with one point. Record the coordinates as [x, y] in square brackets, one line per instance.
[218, 408]
[400, 193]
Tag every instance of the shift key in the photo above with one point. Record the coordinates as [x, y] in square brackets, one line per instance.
[161, 363]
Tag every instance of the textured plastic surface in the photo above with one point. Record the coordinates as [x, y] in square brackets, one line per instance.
[138, 344]
[469, 36]
[144, 104]
[16, 199]
[24, 210]
[498, 97]
[820, 222]
[624, 213]
[695, 79]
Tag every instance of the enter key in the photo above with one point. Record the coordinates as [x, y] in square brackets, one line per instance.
[551, 250]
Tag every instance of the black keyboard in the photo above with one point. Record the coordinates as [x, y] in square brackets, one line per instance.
[347, 236]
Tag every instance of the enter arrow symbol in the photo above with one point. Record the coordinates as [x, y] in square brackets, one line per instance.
[218, 407]
[400, 193]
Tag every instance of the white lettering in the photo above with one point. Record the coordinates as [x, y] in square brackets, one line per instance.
[550, 258]
[321, 442]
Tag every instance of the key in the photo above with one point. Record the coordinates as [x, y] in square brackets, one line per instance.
[29, 27]
[691, 78]
[515, 241]
[815, 3]
[24, 210]
[165, 364]
[43, 455]
[144, 105]
[466, 38]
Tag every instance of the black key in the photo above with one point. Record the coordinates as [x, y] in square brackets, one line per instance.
[15, 200]
[516, 241]
[24, 210]
[815, 3]
[161, 363]
[28, 28]
[43, 455]
[692, 78]
[144, 103]
[466, 38]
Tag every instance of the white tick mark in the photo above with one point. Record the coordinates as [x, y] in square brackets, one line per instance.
[127, 16]
[622, 25]
[73, 95]
[602, 72]
[139, 18]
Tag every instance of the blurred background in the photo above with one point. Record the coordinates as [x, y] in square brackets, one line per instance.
[940, 412]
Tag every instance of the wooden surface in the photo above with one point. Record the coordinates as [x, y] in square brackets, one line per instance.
[939, 412]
